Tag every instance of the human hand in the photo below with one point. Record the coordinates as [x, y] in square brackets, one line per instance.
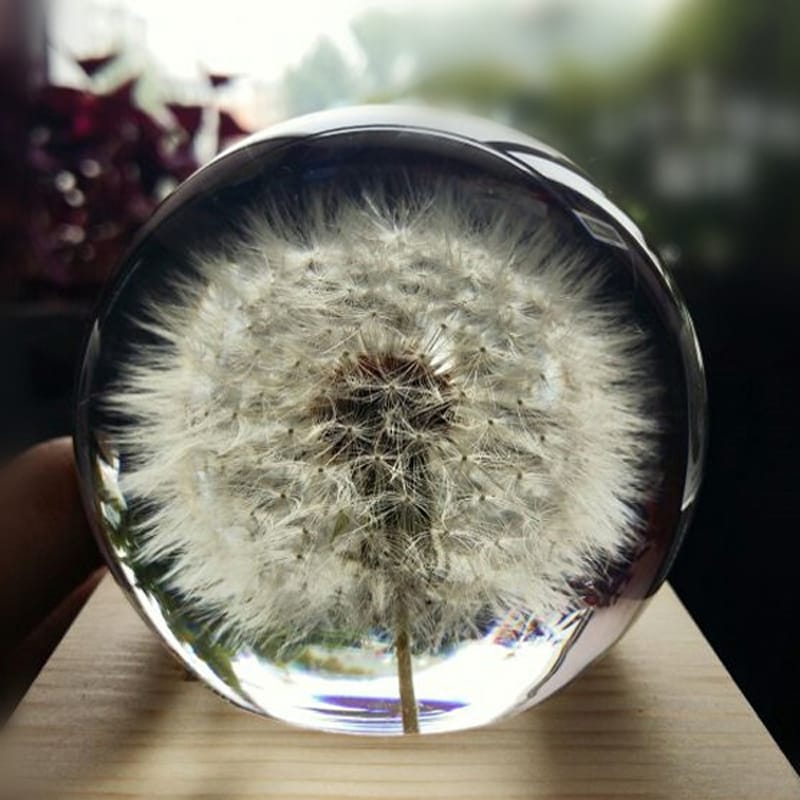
[49, 562]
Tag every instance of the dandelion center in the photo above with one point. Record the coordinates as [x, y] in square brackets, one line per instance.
[380, 412]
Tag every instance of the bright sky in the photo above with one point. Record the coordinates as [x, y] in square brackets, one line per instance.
[255, 36]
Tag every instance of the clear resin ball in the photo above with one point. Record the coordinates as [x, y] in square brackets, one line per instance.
[390, 422]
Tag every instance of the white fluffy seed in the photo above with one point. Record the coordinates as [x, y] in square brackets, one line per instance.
[535, 481]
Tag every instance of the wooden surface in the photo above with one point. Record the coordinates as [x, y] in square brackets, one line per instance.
[112, 716]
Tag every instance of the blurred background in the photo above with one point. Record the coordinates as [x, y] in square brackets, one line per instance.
[686, 112]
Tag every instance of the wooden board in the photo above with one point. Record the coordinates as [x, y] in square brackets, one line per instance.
[112, 716]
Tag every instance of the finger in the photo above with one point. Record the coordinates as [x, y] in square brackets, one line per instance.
[46, 544]
[26, 660]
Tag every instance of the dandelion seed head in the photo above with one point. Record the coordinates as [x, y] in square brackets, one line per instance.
[409, 398]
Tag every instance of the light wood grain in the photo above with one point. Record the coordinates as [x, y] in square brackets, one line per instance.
[111, 716]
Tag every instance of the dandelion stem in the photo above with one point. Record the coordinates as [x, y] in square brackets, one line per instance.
[405, 678]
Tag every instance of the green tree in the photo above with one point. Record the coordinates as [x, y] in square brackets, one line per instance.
[321, 80]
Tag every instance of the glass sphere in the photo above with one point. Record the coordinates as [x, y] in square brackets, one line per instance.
[389, 422]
